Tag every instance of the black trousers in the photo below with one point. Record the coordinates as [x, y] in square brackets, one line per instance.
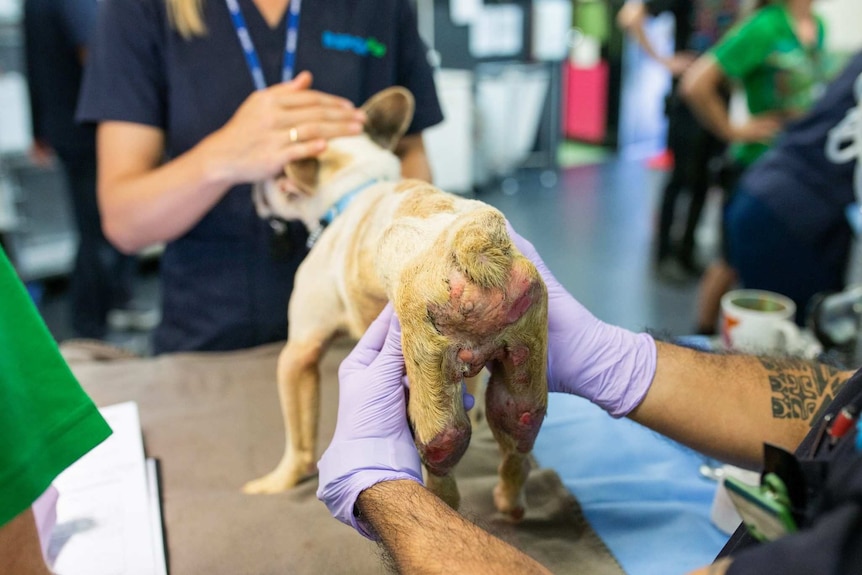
[102, 278]
[694, 149]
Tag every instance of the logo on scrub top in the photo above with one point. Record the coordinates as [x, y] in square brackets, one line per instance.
[355, 44]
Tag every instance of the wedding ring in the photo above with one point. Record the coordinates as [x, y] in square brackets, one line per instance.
[294, 136]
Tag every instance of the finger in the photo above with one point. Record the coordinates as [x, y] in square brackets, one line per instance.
[301, 81]
[392, 344]
[286, 98]
[330, 130]
[369, 345]
[291, 134]
[299, 151]
[312, 115]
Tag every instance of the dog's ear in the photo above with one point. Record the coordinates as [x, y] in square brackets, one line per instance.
[304, 173]
[389, 115]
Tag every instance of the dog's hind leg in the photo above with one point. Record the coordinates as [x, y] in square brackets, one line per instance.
[316, 315]
[516, 401]
[299, 395]
[514, 434]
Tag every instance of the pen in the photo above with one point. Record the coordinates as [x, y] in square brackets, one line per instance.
[844, 421]
[818, 439]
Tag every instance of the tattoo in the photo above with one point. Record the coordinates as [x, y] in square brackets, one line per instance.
[801, 389]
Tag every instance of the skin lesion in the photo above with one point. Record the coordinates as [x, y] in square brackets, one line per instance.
[801, 389]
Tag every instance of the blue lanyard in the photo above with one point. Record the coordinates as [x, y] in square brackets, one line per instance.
[251, 57]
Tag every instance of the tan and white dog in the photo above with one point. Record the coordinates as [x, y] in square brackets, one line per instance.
[464, 294]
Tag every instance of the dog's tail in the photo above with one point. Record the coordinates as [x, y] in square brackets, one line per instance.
[483, 250]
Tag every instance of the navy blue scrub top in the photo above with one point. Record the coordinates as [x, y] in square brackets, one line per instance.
[222, 286]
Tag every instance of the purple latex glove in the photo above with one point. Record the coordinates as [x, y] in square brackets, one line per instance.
[372, 441]
[609, 365]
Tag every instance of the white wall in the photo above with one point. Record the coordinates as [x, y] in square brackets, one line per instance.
[843, 21]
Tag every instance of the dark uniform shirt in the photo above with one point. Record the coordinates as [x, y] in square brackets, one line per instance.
[55, 33]
[807, 179]
[222, 288]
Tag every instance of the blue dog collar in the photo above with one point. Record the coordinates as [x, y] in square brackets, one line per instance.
[335, 210]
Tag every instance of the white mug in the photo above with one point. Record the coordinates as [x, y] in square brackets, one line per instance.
[759, 321]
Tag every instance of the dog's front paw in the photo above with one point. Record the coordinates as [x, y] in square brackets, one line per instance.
[279, 480]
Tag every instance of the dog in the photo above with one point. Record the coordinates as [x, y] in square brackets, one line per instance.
[464, 294]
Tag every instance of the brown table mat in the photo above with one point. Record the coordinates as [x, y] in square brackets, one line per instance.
[213, 422]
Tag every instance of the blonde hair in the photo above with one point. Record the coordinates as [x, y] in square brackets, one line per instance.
[187, 17]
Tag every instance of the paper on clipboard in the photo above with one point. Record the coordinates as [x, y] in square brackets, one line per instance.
[107, 523]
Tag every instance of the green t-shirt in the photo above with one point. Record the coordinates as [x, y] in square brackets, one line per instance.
[778, 73]
[47, 421]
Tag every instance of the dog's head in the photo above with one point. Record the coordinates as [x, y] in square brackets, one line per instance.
[311, 185]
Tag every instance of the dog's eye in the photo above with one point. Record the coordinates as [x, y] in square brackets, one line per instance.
[291, 196]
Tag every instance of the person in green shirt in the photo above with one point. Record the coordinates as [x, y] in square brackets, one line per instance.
[777, 56]
[47, 422]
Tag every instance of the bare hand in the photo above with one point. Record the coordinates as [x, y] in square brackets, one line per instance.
[41, 154]
[680, 62]
[760, 128]
[282, 123]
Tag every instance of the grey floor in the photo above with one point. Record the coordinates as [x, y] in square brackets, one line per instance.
[594, 229]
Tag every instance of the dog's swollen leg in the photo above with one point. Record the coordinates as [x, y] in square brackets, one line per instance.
[516, 401]
[299, 393]
[436, 408]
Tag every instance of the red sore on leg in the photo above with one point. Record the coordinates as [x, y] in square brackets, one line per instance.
[519, 354]
[518, 308]
[442, 453]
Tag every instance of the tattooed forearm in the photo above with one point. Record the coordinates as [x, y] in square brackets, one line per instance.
[801, 389]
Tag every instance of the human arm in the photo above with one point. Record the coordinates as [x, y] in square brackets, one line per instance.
[729, 405]
[424, 535]
[20, 547]
[144, 201]
[414, 159]
[632, 18]
[722, 404]
[701, 89]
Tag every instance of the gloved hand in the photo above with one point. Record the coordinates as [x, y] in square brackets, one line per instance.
[372, 440]
[609, 365]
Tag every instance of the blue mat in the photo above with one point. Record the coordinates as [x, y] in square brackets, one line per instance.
[641, 492]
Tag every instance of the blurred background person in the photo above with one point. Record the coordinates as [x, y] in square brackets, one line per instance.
[787, 226]
[778, 57]
[57, 35]
[698, 25]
